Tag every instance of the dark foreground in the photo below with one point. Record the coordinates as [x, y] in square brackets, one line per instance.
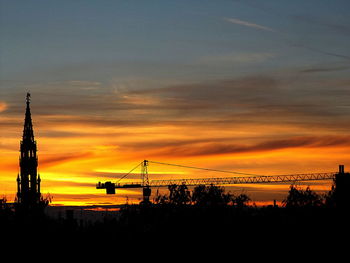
[184, 227]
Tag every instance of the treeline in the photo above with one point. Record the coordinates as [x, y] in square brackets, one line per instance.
[307, 198]
[205, 214]
[213, 195]
[201, 195]
[209, 196]
[209, 213]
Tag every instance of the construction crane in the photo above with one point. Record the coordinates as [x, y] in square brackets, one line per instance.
[248, 178]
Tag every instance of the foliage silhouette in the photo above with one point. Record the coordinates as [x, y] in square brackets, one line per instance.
[211, 195]
[5, 209]
[201, 195]
[178, 195]
[299, 198]
[36, 209]
[241, 200]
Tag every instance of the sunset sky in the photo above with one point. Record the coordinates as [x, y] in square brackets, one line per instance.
[249, 86]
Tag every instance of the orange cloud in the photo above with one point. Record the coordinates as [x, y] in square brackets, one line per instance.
[62, 159]
[3, 106]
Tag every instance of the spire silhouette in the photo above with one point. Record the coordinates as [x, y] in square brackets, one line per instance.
[28, 134]
[28, 181]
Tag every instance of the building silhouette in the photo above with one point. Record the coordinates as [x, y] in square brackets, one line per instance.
[28, 180]
[341, 190]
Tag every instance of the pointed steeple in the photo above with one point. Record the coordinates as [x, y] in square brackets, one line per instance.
[28, 181]
[28, 133]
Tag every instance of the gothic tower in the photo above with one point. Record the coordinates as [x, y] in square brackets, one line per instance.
[28, 180]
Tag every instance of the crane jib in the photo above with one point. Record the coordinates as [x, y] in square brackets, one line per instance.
[110, 187]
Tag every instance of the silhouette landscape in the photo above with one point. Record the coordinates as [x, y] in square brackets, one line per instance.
[239, 111]
[203, 213]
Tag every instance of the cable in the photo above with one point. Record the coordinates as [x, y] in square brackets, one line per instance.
[207, 169]
[125, 175]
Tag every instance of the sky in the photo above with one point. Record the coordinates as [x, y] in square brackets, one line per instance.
[249, 86]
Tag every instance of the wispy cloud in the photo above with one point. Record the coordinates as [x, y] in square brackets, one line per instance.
[48, 161]
[290, 40]
[242, 58]
[248, 24]
[322, 21]
[215, 148]
[323, 69]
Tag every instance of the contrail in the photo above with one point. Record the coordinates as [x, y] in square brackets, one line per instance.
[322, 51]
[286, 37]
[248, 24]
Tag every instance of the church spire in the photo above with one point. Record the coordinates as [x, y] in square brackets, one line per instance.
[28, 134]
[28, 181]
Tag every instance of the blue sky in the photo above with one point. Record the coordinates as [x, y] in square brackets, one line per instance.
[103, 40]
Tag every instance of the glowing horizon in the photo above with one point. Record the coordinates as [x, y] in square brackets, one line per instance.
[69, 176]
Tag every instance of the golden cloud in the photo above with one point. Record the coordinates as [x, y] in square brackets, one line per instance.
[3, 106]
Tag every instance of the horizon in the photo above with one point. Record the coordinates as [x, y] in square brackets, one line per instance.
[244, 86]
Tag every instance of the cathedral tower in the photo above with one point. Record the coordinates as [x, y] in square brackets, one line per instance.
[28, 180]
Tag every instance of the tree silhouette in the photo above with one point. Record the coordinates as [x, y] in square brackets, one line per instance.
[201, 195]
[179, 194]
[161, 199]
[4, 207]
[298, 197]
[241, 200]
[210, 195]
